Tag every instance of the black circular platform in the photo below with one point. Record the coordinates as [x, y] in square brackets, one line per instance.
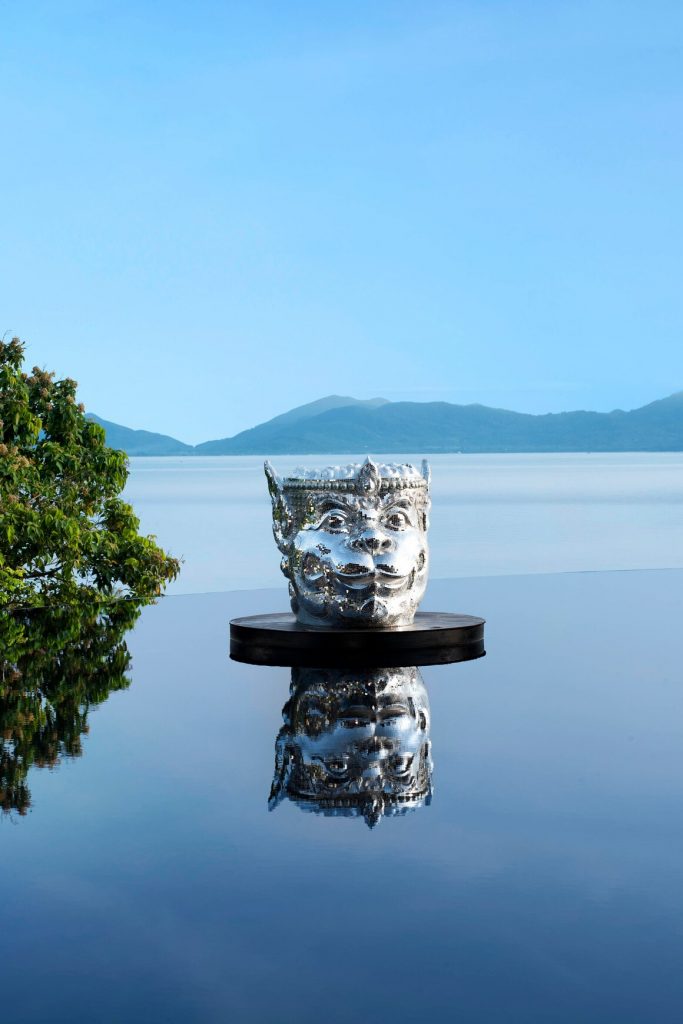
[434, 638]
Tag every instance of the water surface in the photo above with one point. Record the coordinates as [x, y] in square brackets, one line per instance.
[149, 882]
[491, 515]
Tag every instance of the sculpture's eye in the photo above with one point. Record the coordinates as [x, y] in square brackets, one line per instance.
[400, 765]
[335, 521]
[336, 765]
[315, 721]
[393, 711]
[397, 520]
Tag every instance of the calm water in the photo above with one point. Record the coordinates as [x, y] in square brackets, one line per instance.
[150, 883]
[537, 872]
[492, 514]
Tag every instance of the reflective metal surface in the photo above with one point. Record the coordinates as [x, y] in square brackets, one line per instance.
[354, 743]
[354, 542]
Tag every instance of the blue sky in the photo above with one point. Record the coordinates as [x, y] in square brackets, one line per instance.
[212, 212]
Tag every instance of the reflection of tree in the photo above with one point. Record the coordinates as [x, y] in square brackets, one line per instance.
[354, 743]
[54, 666]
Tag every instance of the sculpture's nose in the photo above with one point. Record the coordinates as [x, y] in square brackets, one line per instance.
[372, 541]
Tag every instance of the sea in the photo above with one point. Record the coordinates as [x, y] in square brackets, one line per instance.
[492, 515]
[494, 840]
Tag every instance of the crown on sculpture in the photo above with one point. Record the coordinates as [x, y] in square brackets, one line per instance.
[354, 541]
[371, 802]
[359, 478]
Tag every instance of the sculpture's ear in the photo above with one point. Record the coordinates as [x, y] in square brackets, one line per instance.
[428, 766]
[283, 768]
[272, 477]
[427, 475]
[282, 518]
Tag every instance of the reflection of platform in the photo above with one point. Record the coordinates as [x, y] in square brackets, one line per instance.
[435, 638]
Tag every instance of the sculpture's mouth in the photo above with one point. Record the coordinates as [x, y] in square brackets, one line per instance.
[361, 582]
[369, 715]
[383, 577]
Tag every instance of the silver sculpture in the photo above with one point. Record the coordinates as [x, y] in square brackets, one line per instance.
[354, 542]
[354, 743]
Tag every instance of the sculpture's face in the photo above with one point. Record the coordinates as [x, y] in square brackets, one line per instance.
[358, 556]
[355, 742]
[360, 560]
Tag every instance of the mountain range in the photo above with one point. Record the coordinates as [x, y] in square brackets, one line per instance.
[337, 425]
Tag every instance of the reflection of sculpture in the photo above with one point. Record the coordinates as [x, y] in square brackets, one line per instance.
[354, 743]
[54, 666]
[354, 541]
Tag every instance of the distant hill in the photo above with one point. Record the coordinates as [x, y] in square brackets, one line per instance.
[282, 426]
[337, 425]
[443, 427]
[140, 442]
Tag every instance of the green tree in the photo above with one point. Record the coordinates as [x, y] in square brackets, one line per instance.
[64, 530]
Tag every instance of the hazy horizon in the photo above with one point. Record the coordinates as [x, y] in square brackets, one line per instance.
[492, 514]
[152, 429]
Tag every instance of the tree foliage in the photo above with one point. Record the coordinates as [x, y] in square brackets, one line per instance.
[64, 529]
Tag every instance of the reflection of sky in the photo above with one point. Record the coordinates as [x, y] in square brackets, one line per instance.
[544, 877]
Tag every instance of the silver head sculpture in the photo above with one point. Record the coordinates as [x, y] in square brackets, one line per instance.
[354, 542]
[354, 743]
